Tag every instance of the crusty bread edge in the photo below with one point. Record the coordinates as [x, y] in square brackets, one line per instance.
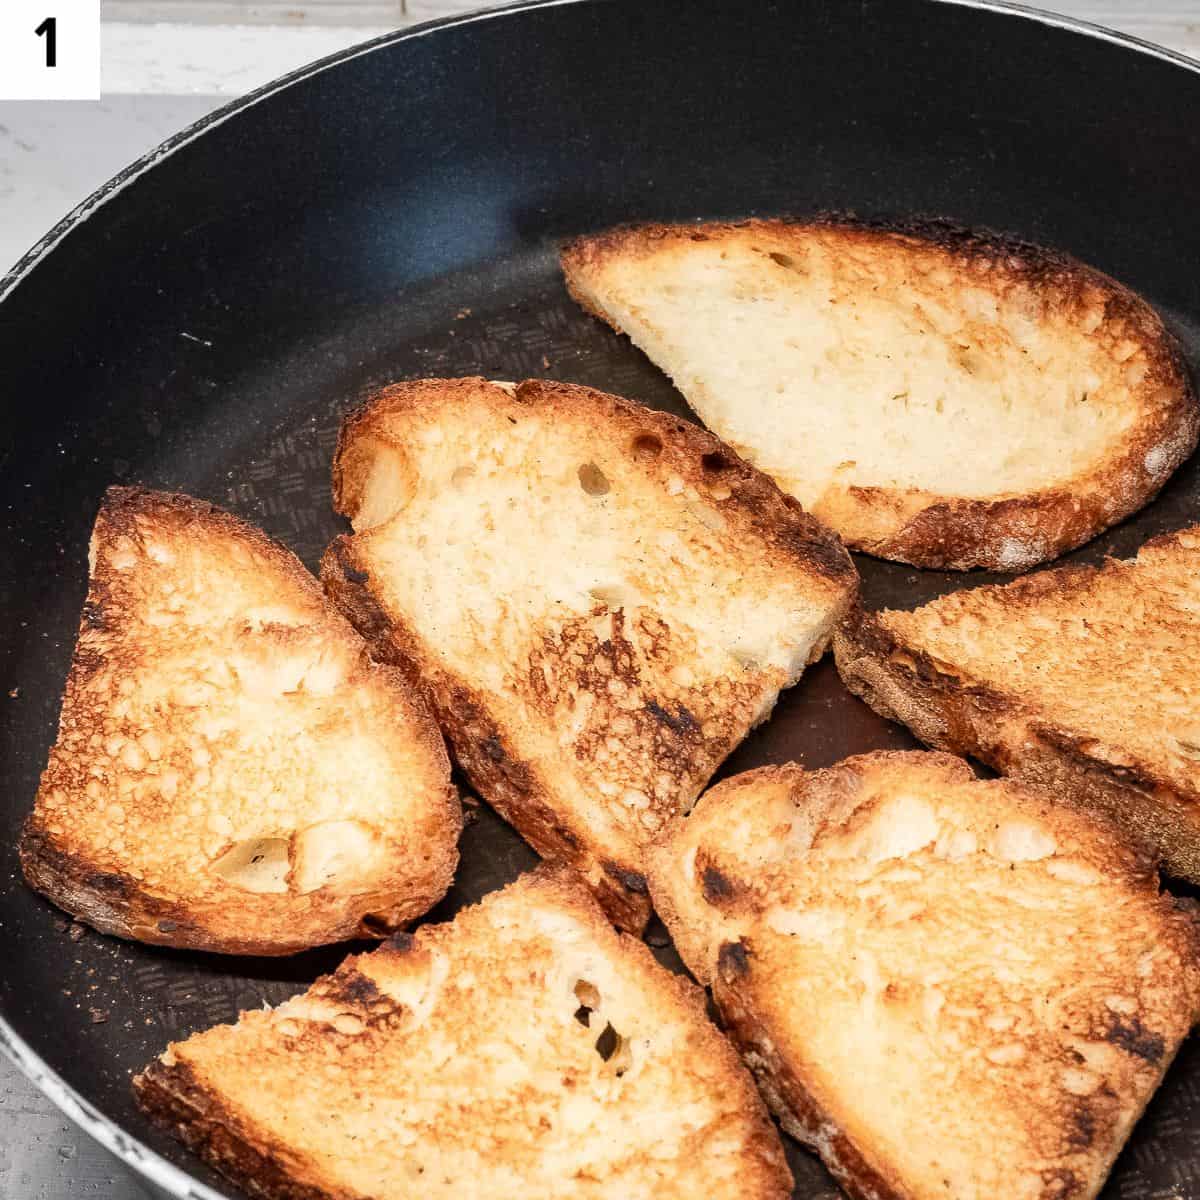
[784, 1089]
[174, 1099]
[1008, 533]
[117, 904]
[945, 707]
[512, 786]
[790, 1099]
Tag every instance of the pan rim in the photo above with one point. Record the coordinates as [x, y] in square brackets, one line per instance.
[125, 1146]
[103, 194]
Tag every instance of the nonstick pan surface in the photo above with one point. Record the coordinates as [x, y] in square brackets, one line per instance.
[204, 322]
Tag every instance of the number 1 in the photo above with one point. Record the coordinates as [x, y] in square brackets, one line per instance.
[49, 29]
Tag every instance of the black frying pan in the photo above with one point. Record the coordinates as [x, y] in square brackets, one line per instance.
[203, 321]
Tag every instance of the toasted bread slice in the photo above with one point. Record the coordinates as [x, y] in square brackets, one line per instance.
[523, 1049]
[950, 988]
[600, 599]
[945, 398]
[1082, 679]
[232, 772]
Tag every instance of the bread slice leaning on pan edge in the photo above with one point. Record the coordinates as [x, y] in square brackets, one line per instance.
[946, 398]
[600, 599]
[232, 772]
[524, 1049]
[1079, 678]
[949, 988]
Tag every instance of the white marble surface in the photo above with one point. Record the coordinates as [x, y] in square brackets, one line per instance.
[214, 60]
[54, 155]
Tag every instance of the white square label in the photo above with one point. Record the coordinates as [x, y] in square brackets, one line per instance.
[49, 49]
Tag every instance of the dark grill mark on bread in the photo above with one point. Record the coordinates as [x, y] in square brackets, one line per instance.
[681, 721]
[1081, 1131]
[361, 989]
[631, 881]
[1059, 1183]
[401, 942]
[1134, 1038]
[108, 883]
[732, 962]
[715, 886]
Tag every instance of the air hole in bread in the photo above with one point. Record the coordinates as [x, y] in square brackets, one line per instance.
[646, 447]
[783, 260]
[715, 463]
[376, 925]
[460, 475]
[588, 995]
[329, 850]
[614, 1050]
[593, 480]
[256, 865]
[608, 1043]
[614, 596]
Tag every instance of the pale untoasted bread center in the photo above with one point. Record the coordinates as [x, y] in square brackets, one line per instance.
[605, 602]
[831, 368]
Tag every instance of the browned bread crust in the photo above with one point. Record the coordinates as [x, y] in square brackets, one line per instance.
[165, 765]
[449, 1062]
[948, 987]
[675, 736]
[1004, 532]
[1153, 796]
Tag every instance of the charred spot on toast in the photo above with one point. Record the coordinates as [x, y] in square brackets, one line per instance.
[733, 962]
[716, 886]
[1130, 1035]
[809, 542]
[357, 988]
[93, 614]
[346, 584]
[1058, 1183]
[110, 884]
[681, 721]
[631, 881]
[1081, 1128]
[401, 942]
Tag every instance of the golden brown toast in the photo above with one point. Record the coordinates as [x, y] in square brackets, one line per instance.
[232, 772]
[952, 989]
[1082, 679]
[600, 599]
[524, 1049]
[942, 397]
